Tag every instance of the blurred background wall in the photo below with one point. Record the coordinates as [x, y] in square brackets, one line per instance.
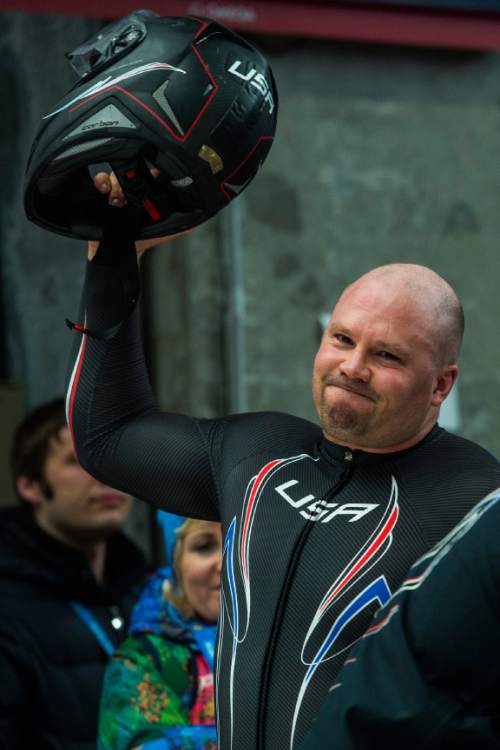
[383, 153]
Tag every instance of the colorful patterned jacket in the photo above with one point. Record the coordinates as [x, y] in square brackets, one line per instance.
[158, 691]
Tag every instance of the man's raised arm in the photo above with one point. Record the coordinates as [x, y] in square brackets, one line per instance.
[119, 435]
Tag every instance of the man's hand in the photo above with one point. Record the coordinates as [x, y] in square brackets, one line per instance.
[108, 184]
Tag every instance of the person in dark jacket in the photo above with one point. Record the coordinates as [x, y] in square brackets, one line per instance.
[68, 581]
[159, 689]
[425, 675]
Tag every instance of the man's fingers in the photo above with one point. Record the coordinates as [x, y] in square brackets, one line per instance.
[116, 196]
[107, 184]
[102, 182]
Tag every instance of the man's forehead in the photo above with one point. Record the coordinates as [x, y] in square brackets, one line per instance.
[398, 322]
[375, 300]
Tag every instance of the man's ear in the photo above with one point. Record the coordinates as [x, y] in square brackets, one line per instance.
[30, 490]
[444, 383]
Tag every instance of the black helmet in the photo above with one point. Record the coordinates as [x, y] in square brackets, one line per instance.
[184, 95]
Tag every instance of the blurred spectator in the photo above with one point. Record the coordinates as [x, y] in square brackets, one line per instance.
[68, 580]
[158, 690]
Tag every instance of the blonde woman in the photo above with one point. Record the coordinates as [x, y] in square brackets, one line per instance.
[158, 690]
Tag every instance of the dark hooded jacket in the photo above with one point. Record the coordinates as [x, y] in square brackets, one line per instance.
[51, 663]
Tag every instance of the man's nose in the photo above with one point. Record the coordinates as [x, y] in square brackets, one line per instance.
[354, 365]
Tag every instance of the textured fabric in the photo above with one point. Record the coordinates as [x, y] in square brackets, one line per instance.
[159, 686]
[425, 676]
[316, 537]
[51, 665]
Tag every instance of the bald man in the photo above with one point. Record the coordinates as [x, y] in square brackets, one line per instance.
[388, 358]
[320, 524]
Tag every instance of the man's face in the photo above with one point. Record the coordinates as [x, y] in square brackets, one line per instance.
[376, 381]
[81, 509]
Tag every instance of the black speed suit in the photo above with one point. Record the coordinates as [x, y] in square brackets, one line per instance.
[316, 536]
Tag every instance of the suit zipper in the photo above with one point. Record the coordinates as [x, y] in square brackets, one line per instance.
[271, 646]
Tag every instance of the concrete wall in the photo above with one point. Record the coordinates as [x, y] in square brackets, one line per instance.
[383, 154]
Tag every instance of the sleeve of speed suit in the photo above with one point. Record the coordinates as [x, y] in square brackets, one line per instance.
[120, 436]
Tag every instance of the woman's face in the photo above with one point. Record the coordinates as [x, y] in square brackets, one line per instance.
[200, 568]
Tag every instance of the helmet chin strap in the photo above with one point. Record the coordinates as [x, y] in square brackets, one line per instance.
[139, 186]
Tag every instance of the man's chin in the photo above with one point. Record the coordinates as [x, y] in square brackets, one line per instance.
[342, 422]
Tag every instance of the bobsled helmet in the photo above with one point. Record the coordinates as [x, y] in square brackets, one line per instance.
[182, 109]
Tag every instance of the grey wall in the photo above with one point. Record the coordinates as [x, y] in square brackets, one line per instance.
[41, 273]
[382, 154]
